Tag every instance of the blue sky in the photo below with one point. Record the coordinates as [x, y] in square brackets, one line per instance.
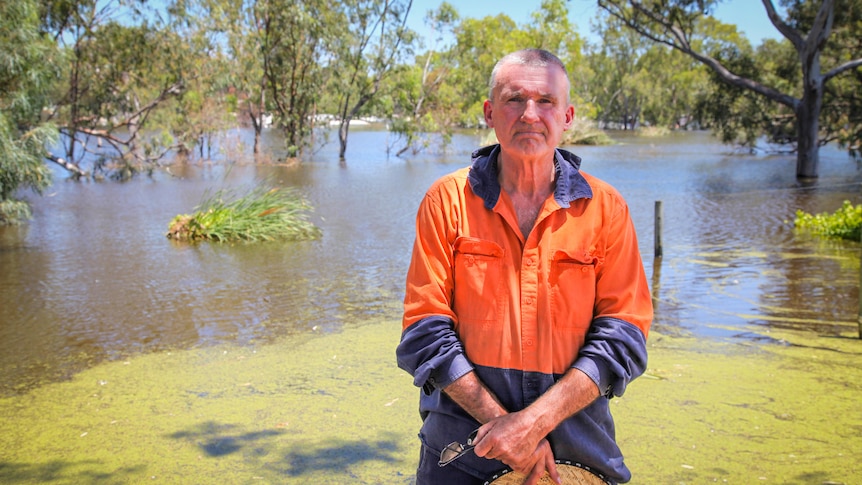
[748, 15]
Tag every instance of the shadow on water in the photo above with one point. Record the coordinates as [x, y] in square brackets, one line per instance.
[294, 458]
[216, 439]
[287, 454]
[61, 471]
[339, 456]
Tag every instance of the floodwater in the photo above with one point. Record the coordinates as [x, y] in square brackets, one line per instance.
[126, 357]
[92, 278]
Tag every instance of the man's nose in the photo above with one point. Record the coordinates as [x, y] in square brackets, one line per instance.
[531, 111]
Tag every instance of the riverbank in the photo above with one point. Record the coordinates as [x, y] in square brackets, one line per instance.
[335, 409]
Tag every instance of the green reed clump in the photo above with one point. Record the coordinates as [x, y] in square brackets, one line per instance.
[260, 215]
[845, 223]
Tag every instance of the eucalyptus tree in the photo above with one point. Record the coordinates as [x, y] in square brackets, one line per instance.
[638, 83]
[202, 111]
[115, 77]
[297, 37]
[240, 30]
[418, 90]
[28, 63]
[550, 28]
[481, 42]
[807, 26]
[616, 80]
[371, 43]
[673, 85]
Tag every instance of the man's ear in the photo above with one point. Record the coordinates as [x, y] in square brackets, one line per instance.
[570, 117]
[488, 108]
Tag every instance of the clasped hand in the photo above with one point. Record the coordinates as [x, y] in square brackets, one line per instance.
[510, 439]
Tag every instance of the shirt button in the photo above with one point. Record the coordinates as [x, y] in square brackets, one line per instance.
[528, 301]
[529, 342]
[529, 262]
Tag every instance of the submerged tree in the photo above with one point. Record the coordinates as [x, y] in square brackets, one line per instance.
[116, 76]
[370, 46]
[295, 38]
[807, 26]
[240, 27]
[418, 90]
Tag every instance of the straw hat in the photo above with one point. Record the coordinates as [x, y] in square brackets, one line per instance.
[571, 473]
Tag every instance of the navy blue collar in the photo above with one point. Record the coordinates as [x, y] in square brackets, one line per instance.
[484, 181]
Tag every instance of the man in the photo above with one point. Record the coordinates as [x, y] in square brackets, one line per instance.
[526, 305]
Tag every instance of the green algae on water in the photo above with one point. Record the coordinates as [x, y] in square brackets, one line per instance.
[335, 409]
[330, 409]
[716, 412]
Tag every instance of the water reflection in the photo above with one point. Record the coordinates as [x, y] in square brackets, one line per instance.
[93, 277]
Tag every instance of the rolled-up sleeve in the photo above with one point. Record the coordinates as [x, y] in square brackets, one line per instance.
[431, 352]
[430, 349]
[613, 355]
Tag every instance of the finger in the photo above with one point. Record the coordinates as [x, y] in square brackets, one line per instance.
[552, 471]
[480, 433]
[548, 461]
[486, 440]
[481, 446]
[535, 474]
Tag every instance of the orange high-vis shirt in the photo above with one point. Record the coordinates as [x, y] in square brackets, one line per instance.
[521, 312]
[525, 304]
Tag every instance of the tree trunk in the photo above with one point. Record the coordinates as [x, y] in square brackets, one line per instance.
[808, 115]
[807, 128]
[343, 129]
[261, 109]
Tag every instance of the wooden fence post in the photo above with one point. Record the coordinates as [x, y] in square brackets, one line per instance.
[658, 248]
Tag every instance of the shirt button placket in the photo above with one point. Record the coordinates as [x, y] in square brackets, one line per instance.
[529, 286]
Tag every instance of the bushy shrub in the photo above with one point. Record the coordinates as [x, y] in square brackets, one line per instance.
[845, 223]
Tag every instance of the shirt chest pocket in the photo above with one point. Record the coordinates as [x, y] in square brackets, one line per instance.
[478, 280]
[572, 283]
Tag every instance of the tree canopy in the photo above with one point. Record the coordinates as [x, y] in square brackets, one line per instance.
[824, 36]
[27, 68]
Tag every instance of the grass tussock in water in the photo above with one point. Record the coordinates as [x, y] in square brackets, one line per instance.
[586, 132]
[260, 215]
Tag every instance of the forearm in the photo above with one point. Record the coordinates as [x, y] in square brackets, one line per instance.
[474, 397]
[572, 393]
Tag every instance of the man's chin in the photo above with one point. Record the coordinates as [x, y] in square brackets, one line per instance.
[529, 147]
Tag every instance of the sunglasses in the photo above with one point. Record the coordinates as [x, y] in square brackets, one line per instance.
[456, 450]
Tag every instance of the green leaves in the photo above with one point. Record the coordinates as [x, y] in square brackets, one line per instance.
[844, 223]
[25, 83]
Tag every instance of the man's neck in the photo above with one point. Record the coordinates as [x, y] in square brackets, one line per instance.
[529, 179]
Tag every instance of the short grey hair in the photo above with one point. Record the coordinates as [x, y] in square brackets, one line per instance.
[528, 57]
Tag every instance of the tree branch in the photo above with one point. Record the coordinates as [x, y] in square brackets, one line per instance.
[842, 68]
[787, 31]
[679, 41]
[71, 167]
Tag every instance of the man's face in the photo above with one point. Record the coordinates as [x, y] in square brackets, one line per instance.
[529, 110]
